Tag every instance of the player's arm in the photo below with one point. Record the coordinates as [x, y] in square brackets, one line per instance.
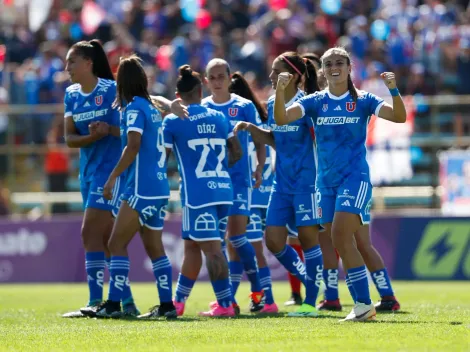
[281, 115]
[235, 150]
[397, 112]
[75, 140]
[170, 106]
[127, 158]
[258, 134]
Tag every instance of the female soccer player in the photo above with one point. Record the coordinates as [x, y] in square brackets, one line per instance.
[204, 146]
[146, 194]
[235, 108]
[293, 193]
[260, 195]
[340, 116]
[92, 125]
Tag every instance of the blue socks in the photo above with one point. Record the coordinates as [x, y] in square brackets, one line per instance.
[360, 283]
[95, 264]
[127, 293]
[351, 289]
[266, 284]
[330, 276]
[314, 265]
[162, 272]
[246, 252]
[183, 288]
[289, 258]
[236, 273]
[223, 292]
[119, 277]
[382, 282]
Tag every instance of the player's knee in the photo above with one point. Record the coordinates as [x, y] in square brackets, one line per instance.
[342, 241]
[92, 241]
[274, 244]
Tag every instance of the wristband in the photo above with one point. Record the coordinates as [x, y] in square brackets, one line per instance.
[394, 92]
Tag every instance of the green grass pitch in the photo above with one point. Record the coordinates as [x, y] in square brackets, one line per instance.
[435, 317]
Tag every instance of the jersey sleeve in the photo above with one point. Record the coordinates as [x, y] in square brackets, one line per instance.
[307, 104]
[168, 137]
[374, 103]
[135, 121]
[252, 114]
[67, 105]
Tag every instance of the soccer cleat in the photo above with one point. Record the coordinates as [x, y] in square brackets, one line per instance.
[219, 311]
[109, 309]
[74, 314]
[387, 304]
[305, 310]
[270, 308]
[294, 300]
[179, 306]
[82, 312]
[236, 307]
[257, 300]
[130, 310]
[361, 312]
[334, 306]
[165, 310]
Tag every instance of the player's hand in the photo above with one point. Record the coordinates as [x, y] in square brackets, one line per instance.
[258, 178]
[179, 109]
[102, 129]
[92, 127]
[241, 126]
[389, 79]
[283, 80]
[108, 188]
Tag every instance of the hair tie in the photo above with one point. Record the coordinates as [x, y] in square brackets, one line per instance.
[291, 65]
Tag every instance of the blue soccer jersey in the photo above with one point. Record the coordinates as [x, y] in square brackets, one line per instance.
[340, 131]
[238, 109]
[295, 153]
[200, 145]
[101, 156]
[146, 177]
[260, 196]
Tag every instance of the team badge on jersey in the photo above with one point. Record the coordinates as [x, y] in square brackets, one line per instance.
[98, 100]
[350, 106]
[233, 112]
[325, 107]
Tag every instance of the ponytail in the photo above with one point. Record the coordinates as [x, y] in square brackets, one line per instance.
[240, 86]
[311, 79]
[93, 50]
[351, 88]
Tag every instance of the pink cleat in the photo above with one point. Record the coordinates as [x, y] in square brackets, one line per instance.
[213, 304]
[270, 308]
[219, 311]
[179, 308]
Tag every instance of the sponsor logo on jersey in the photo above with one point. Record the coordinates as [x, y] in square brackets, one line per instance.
[325, 107]
[86, 105]
[284, 128]
[303, 210]
[338, 108]
[346, 194]
[339, 120]
[233, 112]
[98, 100]
[346, 203]
[89, 115]
[306, 218]
[350, 106]
[212, 184]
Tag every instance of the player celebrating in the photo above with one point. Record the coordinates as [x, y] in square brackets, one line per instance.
[200, 144]
[340, 115]
[293, 193]
[260, 195]
[235, 108]
[146, 190]
[92, 125]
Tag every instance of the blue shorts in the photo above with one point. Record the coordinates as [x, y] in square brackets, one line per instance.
[241, 201]
[257, 226]
[292, 209]
[151, 211]
[353, 196]
[92, 193]
[202, 224]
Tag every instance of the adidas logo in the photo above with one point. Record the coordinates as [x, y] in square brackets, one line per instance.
[346, 203]
[101, 201]
[243, 207]
[306, 217]
[87, 104]
[338, 108]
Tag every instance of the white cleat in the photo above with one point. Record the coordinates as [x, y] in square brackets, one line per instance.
[361, 312]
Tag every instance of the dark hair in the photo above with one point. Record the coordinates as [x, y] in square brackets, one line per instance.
[187, 81]
[312, 56]
[93, 50]
[340, 51]
[305, 67]
[131, 81]
[240, 86]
